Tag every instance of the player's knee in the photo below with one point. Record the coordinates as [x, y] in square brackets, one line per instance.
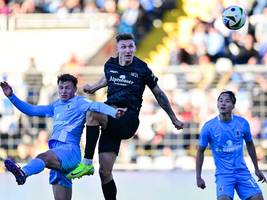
[44, 157]
[256, 197]
[105, 175]
[49, 160]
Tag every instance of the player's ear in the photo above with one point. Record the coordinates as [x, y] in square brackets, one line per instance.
[117, 49]
[233, 106]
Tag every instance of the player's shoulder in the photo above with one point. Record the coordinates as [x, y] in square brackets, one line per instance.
[79, 98]
[112, 61]
[141, 67]
[240, 118]
[139, 61]
[210, 122]
[213, 120]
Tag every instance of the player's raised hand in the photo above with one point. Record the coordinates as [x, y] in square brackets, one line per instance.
[201, 183]
[178, 124]
[260, 175]
[7, 89]
[88, 89]
[120, 112]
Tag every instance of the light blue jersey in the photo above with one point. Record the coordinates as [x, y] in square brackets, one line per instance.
[68, 116]
[226, 142]
[68, 123]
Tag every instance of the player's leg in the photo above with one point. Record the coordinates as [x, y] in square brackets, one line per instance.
[106, 161]
[116, 129]
[69, 156]
[225, 187]
[35, 166]
[93, 122]
[256, 197]
[108, 149]
[247, 188]
[62, 193]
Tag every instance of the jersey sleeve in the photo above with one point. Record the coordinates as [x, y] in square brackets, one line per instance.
[247, 132]
[31, 110]
[204, 136]
[150, 79]
[88, 105]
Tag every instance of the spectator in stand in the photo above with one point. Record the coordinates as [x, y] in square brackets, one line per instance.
[259, 6]
[70, 6]
[247, 54]
[188, 55]
[199, 37]
[215, 43]
[33, 79]
[207, 70]
[90, 6]
[72, 64]
[24, 152]
[4, 9]
[264, 59]
[129, 17]
[41, 143]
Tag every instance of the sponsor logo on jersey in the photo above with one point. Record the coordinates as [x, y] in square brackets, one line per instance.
[229, 147]
[122, 77]
[121, 80]
[134, 74]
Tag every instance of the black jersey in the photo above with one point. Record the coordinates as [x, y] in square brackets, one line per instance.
[126, 84]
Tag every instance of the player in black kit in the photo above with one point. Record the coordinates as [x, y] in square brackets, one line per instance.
[125, 77]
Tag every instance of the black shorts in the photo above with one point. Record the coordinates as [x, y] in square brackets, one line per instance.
[116, 130]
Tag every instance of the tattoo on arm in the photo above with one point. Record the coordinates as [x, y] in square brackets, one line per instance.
[164, 103]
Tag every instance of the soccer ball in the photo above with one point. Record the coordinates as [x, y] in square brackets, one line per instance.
[234, 17]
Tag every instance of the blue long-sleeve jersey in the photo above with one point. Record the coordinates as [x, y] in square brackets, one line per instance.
[68, 116]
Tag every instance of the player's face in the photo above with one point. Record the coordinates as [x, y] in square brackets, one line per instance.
[66, 90]
[126, 50]
[225, 104]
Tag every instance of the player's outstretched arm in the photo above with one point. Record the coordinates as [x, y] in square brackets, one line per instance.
[253, 156]
[91, 89]
[199, 162]
[25, 107]
[104, 109]
[165, 105]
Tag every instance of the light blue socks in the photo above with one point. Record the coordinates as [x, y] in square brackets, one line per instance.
[35, 166]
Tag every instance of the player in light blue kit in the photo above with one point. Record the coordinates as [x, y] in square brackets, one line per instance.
[69, 114]
[225, 134]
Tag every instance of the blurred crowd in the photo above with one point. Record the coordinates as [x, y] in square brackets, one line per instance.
[156, 137]
[134, 16]
[209, 40]
[214, 59]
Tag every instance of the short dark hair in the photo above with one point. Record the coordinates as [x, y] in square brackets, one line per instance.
[67, 77]
[124, 36]
[231, 95]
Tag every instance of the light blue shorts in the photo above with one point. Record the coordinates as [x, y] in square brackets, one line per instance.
[70, 156]
[245, 186]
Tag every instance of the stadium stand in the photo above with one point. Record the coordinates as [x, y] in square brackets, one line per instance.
[196, 58]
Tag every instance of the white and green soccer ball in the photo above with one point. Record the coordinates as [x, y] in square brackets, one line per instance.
[234, 17]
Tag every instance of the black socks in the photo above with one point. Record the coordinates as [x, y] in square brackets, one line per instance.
[109, 190]
[92, 134]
